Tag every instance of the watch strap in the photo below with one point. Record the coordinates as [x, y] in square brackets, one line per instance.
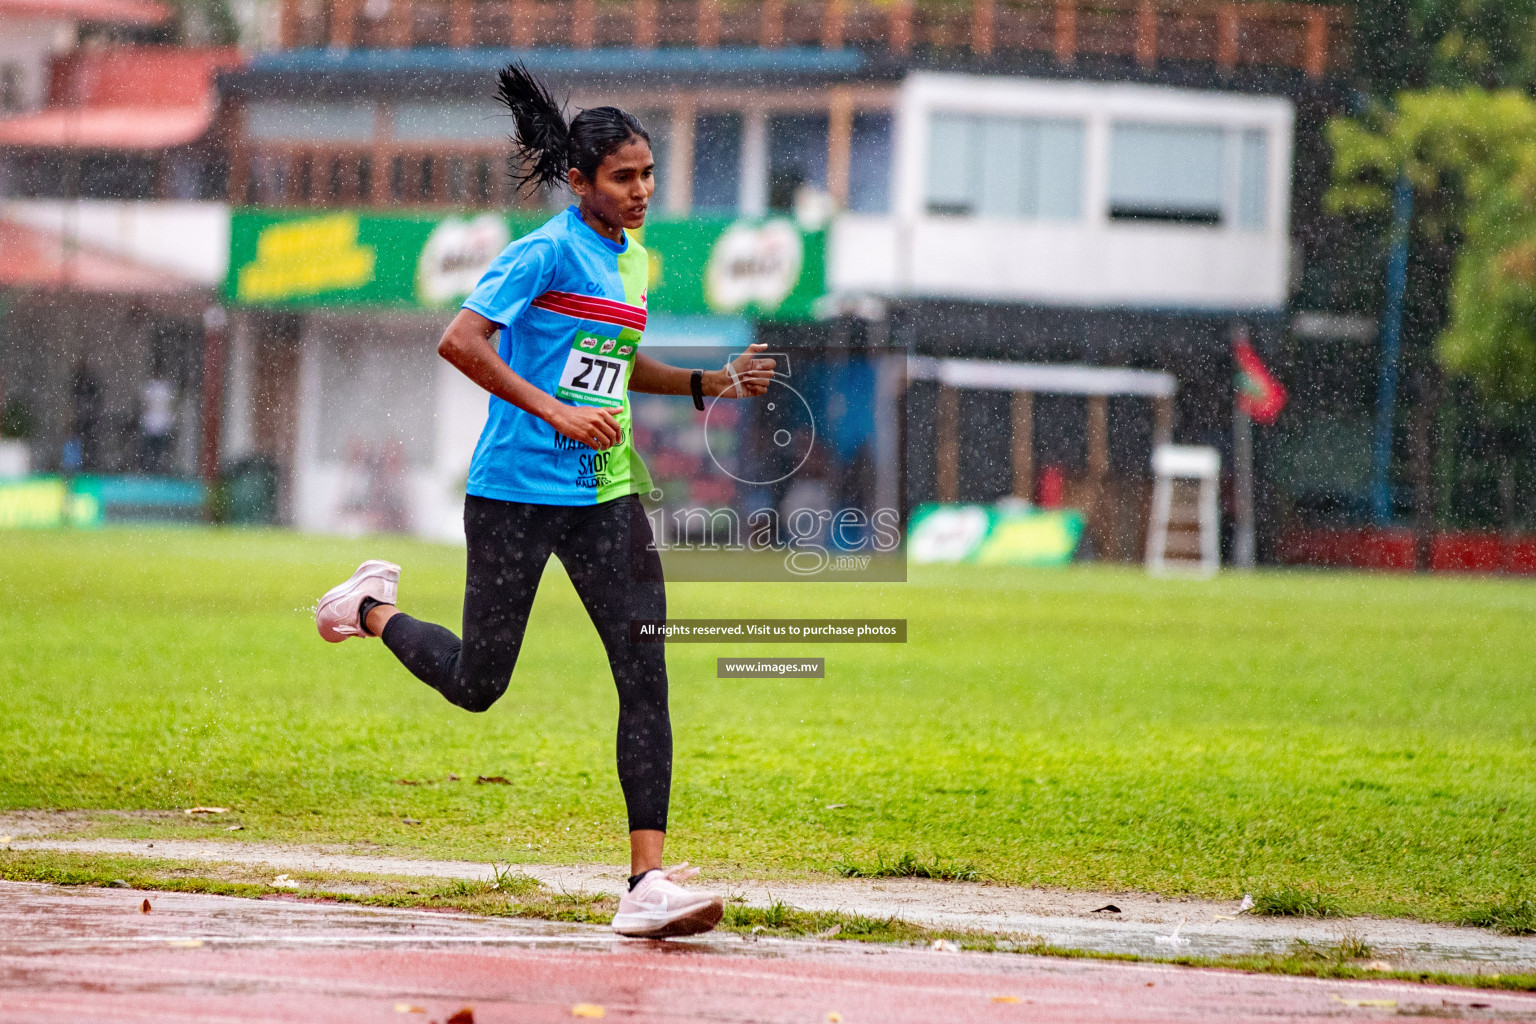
[696, 385]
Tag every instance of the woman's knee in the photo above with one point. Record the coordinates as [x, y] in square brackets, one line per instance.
[645, 708]
[640, 670]
[478, 695]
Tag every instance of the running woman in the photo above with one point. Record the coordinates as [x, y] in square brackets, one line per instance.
[552, 331]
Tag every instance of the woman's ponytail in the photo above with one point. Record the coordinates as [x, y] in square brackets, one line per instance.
[546, 145]
[542, 141]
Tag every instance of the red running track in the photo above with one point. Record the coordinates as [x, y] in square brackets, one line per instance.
[91, 955]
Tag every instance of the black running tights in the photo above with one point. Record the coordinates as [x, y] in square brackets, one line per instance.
[606, 550]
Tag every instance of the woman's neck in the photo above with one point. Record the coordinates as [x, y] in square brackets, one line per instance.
[613, 232]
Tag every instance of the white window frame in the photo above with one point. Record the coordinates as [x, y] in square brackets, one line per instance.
[1098, 106]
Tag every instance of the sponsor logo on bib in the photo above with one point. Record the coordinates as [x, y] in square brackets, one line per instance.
[588, 343]
[607, 347]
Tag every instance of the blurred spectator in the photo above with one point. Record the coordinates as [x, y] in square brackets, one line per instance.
[157, 424]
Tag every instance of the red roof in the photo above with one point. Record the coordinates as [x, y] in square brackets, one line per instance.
[107, 128]
[140, 76]
[117, 12]
[34, 259]
[132, 97]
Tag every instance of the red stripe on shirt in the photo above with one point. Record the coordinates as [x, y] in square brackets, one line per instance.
[590, 307]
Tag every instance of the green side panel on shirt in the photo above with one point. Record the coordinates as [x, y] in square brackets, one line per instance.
[626, 473]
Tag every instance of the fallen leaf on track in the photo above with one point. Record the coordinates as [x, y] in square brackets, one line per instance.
[464, 1016]
[185, 943]
[588, 1010]
[833, 1017]
[206, 810]
[1005, 999]
[144, 907]
[408, 1008]
[1380, 1004]
[500, 780]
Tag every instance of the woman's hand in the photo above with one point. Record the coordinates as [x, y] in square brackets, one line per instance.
[595, 428]
[746, 376]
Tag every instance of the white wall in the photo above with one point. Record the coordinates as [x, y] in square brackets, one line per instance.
[29, 44]
[188, 238]
[1091, 261]
[367, 377]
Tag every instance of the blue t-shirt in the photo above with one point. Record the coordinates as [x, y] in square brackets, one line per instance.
[571, 305]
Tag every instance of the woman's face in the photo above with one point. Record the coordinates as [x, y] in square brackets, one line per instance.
[623, 185]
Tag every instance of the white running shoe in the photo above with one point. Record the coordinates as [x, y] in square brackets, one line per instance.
[659, 908]
[336, 615]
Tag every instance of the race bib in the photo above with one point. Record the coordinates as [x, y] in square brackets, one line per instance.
[596, 371]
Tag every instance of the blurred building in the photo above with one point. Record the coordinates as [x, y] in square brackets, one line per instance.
[113, 236]
[38, 31]
[1117, 184]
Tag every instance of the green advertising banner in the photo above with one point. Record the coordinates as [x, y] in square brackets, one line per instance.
[51, 501]
[992, 535]
[765, 269]
[45, 501]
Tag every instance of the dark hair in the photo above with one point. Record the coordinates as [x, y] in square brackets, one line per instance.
[546, 144]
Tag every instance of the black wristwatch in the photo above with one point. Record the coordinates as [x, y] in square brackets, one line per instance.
[696, 385]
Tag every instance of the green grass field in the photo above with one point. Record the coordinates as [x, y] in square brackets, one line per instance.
[1362, 741]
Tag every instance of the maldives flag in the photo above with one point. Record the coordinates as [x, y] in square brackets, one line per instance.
[1258, 393]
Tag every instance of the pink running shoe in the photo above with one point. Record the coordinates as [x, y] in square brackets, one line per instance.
[659, 908]
[336, 616]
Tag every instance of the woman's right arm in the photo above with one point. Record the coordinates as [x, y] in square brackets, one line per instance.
[469, 345]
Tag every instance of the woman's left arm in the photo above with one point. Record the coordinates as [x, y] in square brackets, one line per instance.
[653, 377]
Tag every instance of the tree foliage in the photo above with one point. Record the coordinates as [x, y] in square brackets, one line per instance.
[1444, 43]
[1478, 42]
[1470, 155]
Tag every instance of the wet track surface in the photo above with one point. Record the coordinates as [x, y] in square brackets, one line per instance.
[1062, 919]
[91, 955]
